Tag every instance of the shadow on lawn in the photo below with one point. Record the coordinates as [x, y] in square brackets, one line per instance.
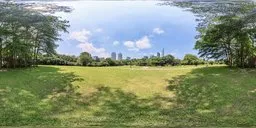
[35, 95]
[199, 101]
[205, 97]
[217, 96]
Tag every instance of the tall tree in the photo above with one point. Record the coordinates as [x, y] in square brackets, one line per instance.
[26, 34]
[85, 58]
[226, 29]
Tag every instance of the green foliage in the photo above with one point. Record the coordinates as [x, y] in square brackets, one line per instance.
[110, 62]
[176, 62]
[227, 30]
[57, 60]
[25, 34]
[154, 61]
[168, 60]
[85, 59]
[69, 58]
[190, 59]
[232, 38]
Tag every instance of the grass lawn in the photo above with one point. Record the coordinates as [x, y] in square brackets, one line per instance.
[124, 96]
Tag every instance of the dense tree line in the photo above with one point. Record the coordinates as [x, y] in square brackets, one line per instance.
[85, 59]
[57, 59]
[26, 34]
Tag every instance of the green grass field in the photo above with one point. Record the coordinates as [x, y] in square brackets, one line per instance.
[124, 96]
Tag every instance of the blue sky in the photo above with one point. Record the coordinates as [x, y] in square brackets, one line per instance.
[134, 28]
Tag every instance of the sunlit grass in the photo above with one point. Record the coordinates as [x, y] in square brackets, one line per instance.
[142, 81]
[123, 96]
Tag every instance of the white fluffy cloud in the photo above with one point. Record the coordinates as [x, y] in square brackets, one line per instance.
[158, 31]
[83, 37]
[143, 43]
[89, 47]
[129, 44]
[115, 43]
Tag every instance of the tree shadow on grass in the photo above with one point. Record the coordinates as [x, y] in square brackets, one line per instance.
[217, 96]
[33, 96]
[213, 96]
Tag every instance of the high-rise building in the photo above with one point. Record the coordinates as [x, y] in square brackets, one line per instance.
[145, 57]
[113, 56]
[163, 52]
[120, 56]
[128, 58]
[158, 54]
[102, 58]
[96, 58]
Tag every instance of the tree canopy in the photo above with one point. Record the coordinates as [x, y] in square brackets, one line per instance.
[190, 59]
[25, 34]
[85, 58]
[226, 30]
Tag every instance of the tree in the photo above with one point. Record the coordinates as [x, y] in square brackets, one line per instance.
[142, 62]
[226, 30]
[85, 58]
[168, 60]
[231, 39]
[176, 62]
[25, 34]
[190, 59]
[51, 59]
[110, 62]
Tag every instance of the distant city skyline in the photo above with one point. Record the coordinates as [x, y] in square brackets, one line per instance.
[119, 56]
[158, 54]
[113, 55]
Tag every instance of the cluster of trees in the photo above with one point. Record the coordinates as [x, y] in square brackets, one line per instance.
[26, 34]
[85, 59]
[57, 59]
[232, 39]
[169, 60]
[190, 59]
[227, 31]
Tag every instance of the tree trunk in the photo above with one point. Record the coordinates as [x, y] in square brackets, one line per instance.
[37, 52]
[34, 57]
[242, 55]
[230, 55]
[14, 60]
